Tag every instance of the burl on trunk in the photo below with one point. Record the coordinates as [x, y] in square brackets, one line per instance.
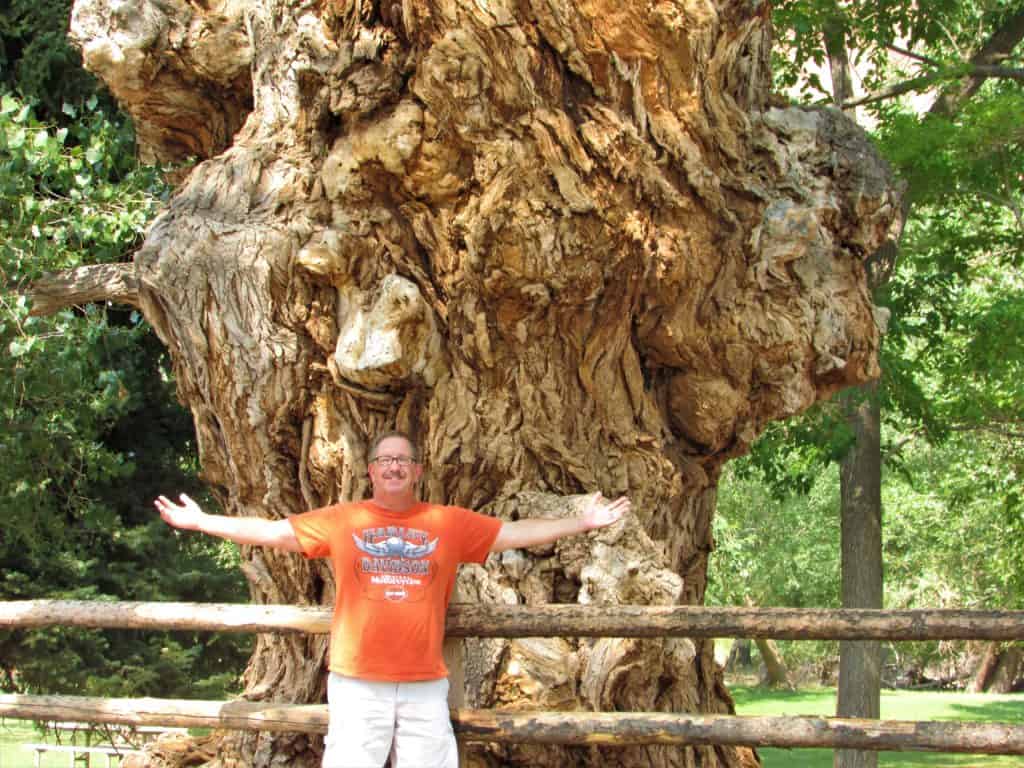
[571, 244]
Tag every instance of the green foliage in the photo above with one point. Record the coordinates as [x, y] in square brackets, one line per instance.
[957, 295]
[789, 457]
[971, 160]
[62, 387]
[953, 523]
[776, 549]
[90, 430]
[36, 60]
[954, 520]
[946, 31]
[948, 540]
[68, 195]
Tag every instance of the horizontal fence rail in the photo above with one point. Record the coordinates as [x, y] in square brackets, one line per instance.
[607, 729]
[491, 620]
[566, 728]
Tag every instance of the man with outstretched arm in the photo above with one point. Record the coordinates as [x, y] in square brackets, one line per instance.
[394, 560]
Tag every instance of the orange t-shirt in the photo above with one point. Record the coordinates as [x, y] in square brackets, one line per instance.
[394, 572]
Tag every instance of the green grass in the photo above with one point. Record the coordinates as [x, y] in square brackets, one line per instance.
[14, 733]
[896, 705]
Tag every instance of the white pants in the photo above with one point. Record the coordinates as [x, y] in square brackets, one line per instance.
[370, 721]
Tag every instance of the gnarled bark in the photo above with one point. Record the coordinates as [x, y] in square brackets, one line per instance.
[571, 245]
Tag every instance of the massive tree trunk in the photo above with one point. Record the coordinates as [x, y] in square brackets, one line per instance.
[571, 245]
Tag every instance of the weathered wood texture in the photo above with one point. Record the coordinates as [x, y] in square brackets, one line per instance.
[573, 246]
[567, 728]
[478, 620]
[96, 282]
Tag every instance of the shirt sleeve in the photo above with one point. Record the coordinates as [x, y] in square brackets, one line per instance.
[477, 534]
[313, 530]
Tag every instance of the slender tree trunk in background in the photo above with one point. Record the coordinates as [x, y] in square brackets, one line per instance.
[986, 667]
[776, 675]
[1008, 670]
[839, 63]
[739, 655]
[571, 246]
[860, 662]
[860, 670]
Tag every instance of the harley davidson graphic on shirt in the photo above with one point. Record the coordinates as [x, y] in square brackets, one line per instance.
[394, 565]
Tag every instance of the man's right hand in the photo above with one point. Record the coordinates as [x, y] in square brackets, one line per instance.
[186, 515]
[256, 531]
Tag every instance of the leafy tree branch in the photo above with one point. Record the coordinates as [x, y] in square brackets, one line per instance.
[1001, 43]
[924, 82]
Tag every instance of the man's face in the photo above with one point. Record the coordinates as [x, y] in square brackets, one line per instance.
[394, 479]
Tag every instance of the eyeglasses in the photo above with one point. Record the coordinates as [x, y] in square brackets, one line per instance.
[387, 461]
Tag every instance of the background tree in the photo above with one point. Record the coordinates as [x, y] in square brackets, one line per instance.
[571, 247]
[934, 38]
[89, 427]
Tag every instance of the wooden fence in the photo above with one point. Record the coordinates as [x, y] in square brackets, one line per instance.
[567, 728]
